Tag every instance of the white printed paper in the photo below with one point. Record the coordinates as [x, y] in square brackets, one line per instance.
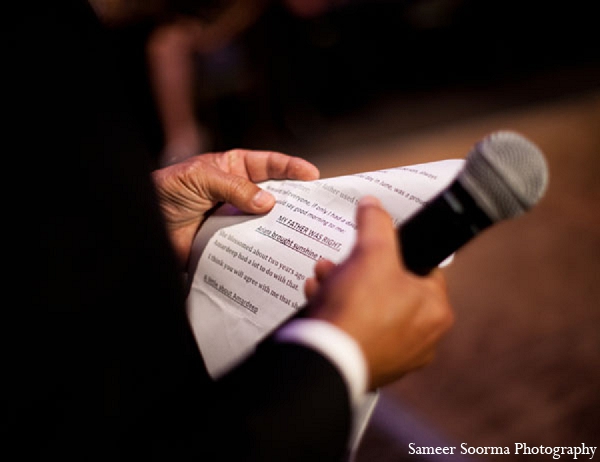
[248, 272]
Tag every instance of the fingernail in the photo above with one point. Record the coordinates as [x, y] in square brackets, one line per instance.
[262, 198]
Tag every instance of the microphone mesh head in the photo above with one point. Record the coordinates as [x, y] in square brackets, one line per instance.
[506, 174]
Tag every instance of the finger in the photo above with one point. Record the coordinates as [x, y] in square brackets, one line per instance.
[440, 287]
[323, 268]
[311, 286]
[438, 276]
[374, 225]
[265, 165]
[296, 169]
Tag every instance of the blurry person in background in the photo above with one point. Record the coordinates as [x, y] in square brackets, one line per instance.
[173, 50]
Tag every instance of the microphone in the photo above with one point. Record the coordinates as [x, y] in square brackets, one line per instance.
[504, 175]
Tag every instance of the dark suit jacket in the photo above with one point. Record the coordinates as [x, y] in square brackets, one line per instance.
[100, 362]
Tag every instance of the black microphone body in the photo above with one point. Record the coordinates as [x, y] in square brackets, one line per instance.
[504, 175]
[441, 227]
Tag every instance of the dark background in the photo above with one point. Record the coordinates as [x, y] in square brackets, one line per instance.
[288, 77]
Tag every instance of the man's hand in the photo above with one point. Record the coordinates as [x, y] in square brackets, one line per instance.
[397, 318]
[188, 190]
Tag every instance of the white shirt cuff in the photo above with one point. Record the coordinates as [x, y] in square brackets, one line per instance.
[333, 343]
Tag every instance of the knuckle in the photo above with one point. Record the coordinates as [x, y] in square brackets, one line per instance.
[234, 156]
[444, 317]
[448, 319]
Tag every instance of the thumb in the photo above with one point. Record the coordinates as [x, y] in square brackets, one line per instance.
[239, 192]
[374, 224]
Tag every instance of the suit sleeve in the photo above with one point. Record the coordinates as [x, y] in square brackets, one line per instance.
[294, 404]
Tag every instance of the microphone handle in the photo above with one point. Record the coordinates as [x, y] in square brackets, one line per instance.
[440, 228]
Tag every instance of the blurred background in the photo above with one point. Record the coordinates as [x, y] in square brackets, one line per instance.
[358, 86]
